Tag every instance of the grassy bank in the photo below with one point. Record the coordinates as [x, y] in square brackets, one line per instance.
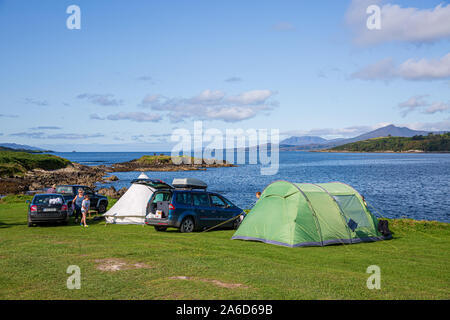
[18, 163]
[429, 143]
[415, 265]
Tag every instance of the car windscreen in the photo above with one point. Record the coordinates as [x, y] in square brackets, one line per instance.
[48, 200]
[64, 189]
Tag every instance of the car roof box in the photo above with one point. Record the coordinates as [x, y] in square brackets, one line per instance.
[189, 183]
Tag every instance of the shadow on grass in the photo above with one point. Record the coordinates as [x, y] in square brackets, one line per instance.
[9, 225]
[174, 230]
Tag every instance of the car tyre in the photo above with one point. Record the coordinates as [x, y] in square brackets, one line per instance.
[236, 223]
[159, 228]
[102, 207]
[187, 225]
[29, 223]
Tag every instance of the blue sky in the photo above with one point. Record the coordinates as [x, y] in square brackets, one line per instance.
[136, 70]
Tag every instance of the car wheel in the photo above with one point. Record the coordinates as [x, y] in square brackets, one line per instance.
[29, 223]
[102, 207]
[236, 223]
[159, 228]
[187, 225]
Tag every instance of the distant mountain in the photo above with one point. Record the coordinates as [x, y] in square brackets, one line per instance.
[386, 131]
[21, 147]
[390, 130]
[303, 140]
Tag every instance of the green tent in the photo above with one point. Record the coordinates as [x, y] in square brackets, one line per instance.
[305, 214]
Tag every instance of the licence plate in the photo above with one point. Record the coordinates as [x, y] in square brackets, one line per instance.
[49, 209]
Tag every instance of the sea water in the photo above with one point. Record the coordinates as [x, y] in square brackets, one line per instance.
[399, 185]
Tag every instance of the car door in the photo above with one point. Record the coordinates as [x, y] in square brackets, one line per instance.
[221, 207]
[207, 216]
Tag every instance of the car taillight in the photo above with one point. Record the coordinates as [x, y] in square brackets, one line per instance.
[64, 207]
[33, 208]
[171, 207]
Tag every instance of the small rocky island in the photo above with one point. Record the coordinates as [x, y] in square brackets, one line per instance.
[21, 171]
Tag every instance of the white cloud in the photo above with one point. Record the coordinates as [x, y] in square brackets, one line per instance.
[74, 136]
[59, 136]
[419, 103]
[251, 97]
[233, 79]
[438, 107]
[331, 133]
[46, 128]
[31, 135]
[149, 100]
[101, 99]
[208, 97]
[232, 114]
[213, 105]
[423, 69]
[8, 115]
[135, 116]
[399, 24]
[95, 116]
[412, 104]
[36, 102]
[443, 125]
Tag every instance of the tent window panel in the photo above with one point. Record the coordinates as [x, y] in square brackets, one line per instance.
[352, 209]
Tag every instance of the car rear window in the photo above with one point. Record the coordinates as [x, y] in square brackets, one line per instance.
[64, 190]
[48, 200]
[161, 196]
[200, 199]
[184, 198]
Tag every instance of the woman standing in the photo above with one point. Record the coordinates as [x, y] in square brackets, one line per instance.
[77, 201]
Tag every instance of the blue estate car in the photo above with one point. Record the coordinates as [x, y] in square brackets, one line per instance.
[189, 208]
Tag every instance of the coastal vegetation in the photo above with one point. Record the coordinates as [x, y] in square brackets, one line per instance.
[136, 262]
[418, 143]
[14, 163]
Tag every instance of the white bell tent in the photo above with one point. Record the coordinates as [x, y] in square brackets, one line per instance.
[131, 208]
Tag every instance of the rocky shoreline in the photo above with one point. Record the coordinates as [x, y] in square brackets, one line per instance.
[75, 173]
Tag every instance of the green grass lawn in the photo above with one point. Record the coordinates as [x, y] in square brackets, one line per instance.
[33, 263]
